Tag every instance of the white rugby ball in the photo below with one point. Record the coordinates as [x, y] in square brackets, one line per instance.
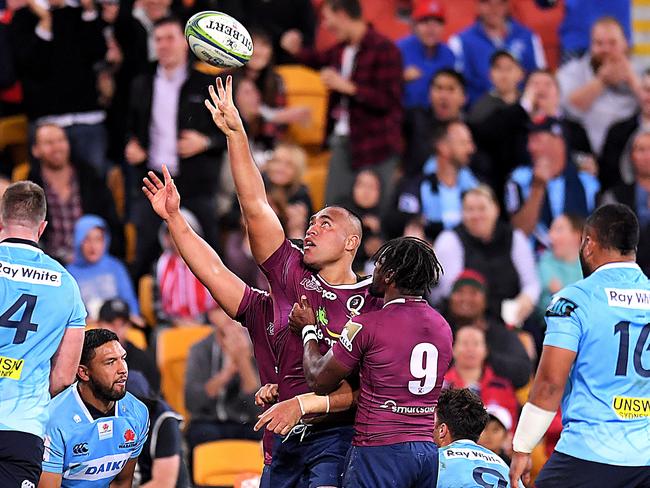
[219, 39]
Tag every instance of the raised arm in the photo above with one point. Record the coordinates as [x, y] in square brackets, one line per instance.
[224, 285]
[264, 227]
[66, 360]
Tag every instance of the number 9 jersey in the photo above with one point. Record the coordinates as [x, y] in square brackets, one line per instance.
[38, 301]
[605, 319]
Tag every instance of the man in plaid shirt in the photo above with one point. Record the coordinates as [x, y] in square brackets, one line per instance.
[364, 75]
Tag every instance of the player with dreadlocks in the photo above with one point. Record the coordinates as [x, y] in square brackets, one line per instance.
[403, 352]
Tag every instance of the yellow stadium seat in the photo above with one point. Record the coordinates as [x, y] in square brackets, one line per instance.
[136, 337]
[145, 297]
[305, 88]
[221, 463]
[115, 183]
[13, 131]
[130, 236]
[316, 178]
[173, 347]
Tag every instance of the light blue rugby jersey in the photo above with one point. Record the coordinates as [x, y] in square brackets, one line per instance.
[465, 464]
[605, 319]
[39, 299]
[89, 452]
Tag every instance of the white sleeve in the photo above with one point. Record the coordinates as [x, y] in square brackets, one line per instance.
[538, 52]
[570, 77]
[451, 255]
[456, 45]
[524, 262]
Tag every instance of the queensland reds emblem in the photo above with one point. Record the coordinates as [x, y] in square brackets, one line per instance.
[129, 436]
[355, 304]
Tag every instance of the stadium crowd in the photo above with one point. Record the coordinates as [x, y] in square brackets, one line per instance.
[472, 124]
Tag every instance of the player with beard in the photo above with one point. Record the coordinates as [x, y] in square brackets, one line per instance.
[96, 429]
[597, 338]
[403, 352]
[311, 455]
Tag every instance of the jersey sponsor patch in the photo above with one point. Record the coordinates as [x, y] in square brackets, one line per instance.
[349, 333]
[628, 408]
[97, 469]
[11, 368]
[560, 307]
[472, 455]
[627, 298]
[105, 429]
[29, 274]
[414, 410]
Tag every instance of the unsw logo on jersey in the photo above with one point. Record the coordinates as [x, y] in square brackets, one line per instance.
[129, 439]
[561, 307]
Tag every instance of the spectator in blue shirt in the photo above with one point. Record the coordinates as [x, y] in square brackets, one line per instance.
[553, 185]
[494, 30]
[423, 53]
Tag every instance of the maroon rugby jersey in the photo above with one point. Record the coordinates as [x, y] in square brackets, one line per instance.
[256, 314]
[333, 305]
[404, 351]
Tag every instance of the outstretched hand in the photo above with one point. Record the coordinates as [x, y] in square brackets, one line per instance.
[164, 198]
[224, 113]
[301, 314]
[520, 466]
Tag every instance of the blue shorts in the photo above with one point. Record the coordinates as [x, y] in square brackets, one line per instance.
[564, 471]
[265, 479]
[21, 455]
[310, 457]
[403, 465]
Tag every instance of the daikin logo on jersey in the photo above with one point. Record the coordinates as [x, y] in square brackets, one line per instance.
[98, 469]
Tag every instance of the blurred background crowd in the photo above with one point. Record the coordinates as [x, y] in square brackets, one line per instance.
[490, 128]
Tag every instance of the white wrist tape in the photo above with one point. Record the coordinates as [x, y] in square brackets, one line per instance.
[533, 424]
[327, 397]
[308, 329]
[302, 408]
[309, 337]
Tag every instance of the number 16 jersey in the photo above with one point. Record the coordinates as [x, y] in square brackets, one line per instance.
[38, 301]
[605, 320]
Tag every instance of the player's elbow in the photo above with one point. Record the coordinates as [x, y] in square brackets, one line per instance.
[319, 385]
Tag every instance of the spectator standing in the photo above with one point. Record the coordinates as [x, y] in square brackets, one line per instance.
[467, 305]
[363, 73]
[637, 195]
[494, 30]
[470, 370]
[554, 184]
[615, 166]
[61, 87]
[502, 254]
[115, 316]
[447, 96]
[423, 52]
[220, 385]
[601, 87]
[437, 194]
[72, 190]
[168, 124]
[99, 275]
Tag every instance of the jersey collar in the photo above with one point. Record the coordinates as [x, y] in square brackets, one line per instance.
[403, 300]
[21, 244]
[83, 407]
[620, 265]
[354, 286]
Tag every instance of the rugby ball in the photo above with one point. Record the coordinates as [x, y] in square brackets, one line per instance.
[219, 39]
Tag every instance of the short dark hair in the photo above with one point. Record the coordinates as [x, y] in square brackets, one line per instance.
[93, 339]
[503, 53]
[441, 130]
[463, 412]
[615, 227]
[350, 7]
[414, 264]
[170, 19]
[23, 201]
[460, 79]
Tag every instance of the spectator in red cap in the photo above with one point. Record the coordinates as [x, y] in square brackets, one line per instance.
[423, 53]
[467, 305]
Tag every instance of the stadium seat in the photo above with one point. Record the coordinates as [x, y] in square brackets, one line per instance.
[173, 346]
[219, 463]
[115, 183]
[304, 88]
[130, 236]
[136, 337]
[13, 138]
[146, 300]
[316, 178]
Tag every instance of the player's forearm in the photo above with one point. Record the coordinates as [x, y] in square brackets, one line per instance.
[315, 369]
[246, 175]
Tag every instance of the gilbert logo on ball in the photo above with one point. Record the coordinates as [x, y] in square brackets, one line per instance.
[219, 39]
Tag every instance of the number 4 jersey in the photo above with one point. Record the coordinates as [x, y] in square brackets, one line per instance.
[605, 319]
[403, 351]
[38, 300]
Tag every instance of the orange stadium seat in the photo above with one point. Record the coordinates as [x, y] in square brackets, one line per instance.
[146, 300]
[115, 183]
[316, 178]
[220, 463]
[13, 137]
[304, 88]
[173, 347]
[136, 337]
